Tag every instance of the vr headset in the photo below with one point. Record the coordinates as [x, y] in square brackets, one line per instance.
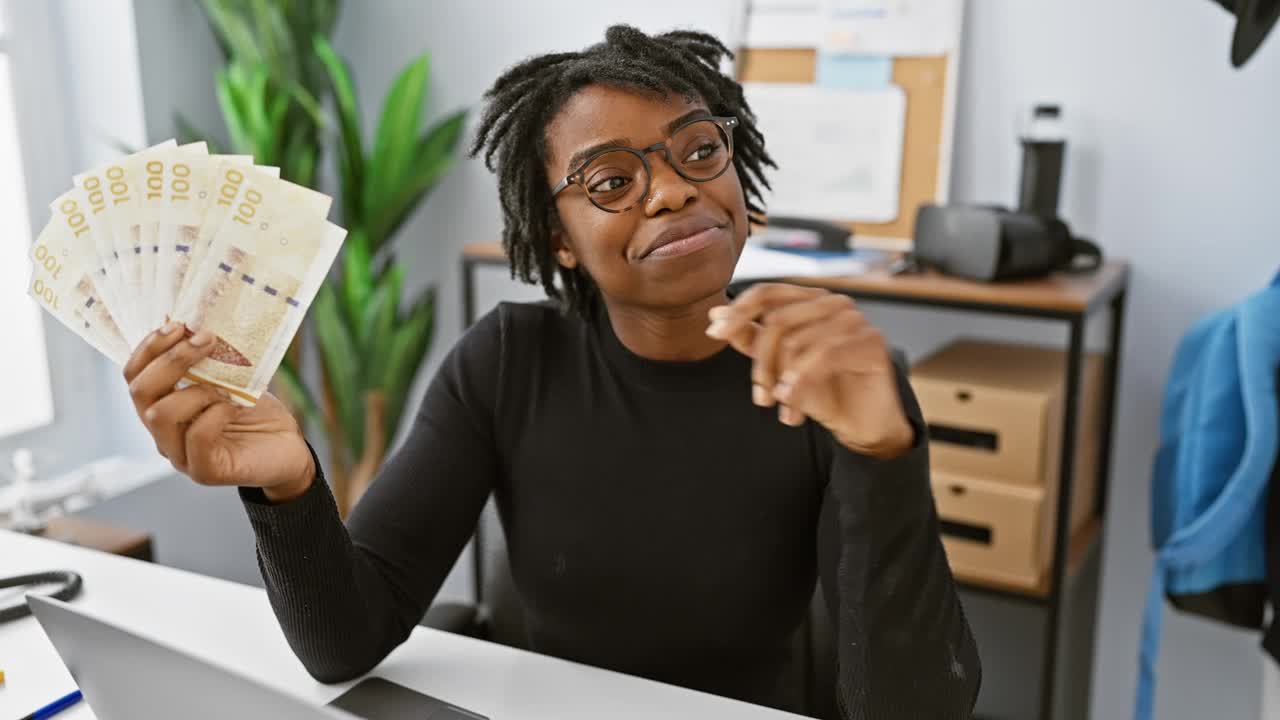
[990, 243]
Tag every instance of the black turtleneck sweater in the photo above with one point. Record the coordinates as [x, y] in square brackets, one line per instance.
[658, 523]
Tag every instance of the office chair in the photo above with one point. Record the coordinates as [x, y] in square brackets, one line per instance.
[499, 615]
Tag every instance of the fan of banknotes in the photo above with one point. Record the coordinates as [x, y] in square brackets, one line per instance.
[174, 233]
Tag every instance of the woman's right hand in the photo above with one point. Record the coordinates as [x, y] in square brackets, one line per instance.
[206, 436]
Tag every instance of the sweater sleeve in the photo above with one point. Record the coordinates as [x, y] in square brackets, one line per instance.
[904, 647]
[346, 596]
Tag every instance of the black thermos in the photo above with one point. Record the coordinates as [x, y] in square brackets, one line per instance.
[1043, 147]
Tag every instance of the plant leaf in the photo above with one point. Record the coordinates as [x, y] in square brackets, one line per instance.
[188, 133]
[232, 114]
[379, 324]
[357, 280]
[255, 109]
[433, 157]
[442, 139]
[298, 164]
[340, 363]
[351, 159]
[408, 350]
[276, 131]
[400, 205]
[232, 29]
[394, 145]
[298, 395]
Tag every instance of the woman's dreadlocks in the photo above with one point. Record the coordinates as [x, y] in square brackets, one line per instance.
[512, 134]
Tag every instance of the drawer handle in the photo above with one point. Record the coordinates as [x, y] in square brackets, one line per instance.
[979, 439]
[964, 395]
[966, 531]
[958, 490]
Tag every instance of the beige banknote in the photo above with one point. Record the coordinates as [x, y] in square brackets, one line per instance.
[120, 182]
[62, 282]
[225, 185]
[257, 281]
[81, 214]
[160, 184]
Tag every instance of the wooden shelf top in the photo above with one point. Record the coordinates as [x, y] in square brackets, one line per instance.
[484, 252]
[1060, 292]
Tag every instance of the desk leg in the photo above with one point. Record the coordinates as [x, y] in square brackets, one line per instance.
[1062, 517]
[468, 293]
[468, 269]
[1111, 385]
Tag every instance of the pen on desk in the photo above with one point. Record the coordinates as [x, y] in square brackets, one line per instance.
[55, 707]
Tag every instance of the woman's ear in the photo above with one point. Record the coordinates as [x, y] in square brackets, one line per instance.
[564, 254]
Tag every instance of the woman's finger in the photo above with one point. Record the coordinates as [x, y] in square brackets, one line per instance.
[209, 460]
[168, 417]
[156, 342]
[788, 415]
[733, 322]
[167, 368]
[827, 312]
[801, 339]
[806, 384]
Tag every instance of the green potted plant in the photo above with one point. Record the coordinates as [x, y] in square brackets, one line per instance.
[371, 341]
[273, 85]
[370, 346]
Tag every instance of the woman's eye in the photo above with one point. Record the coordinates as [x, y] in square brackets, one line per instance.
[703, 152]
[610, 184]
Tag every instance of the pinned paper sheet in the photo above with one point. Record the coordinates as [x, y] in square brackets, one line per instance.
[844, 71]
[839, 152]
[785, 24]
[891, 27]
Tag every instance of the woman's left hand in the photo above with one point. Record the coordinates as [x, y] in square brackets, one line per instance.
[815, 355]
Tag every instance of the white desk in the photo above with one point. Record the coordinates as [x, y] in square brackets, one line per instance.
[233, 624]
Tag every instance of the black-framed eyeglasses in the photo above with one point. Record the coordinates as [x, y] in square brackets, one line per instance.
[616, 179]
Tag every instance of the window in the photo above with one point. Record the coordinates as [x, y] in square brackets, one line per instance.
[24, 366]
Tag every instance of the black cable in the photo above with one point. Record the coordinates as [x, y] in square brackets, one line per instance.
[68, 583]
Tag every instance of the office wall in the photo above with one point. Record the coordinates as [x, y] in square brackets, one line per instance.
[1173, 164]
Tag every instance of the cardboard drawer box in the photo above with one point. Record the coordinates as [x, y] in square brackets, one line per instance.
[993, 530]
[995, 412]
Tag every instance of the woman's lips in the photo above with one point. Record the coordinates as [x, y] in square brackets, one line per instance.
[690, 244]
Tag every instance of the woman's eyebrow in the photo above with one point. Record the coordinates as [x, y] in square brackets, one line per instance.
[579, 157]
[695, 113]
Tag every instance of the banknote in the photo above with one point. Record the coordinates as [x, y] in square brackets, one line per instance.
[172, 232]
[120, 184]
[259, 276]
[225, 185]
[62, 283]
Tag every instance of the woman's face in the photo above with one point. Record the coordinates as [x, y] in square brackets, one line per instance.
[702, 225]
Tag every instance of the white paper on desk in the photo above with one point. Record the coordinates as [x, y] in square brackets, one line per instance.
[890, 27]
[760, 263]
[785, 24]
[839, 152]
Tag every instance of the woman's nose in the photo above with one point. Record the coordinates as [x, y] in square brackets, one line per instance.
[668, 189]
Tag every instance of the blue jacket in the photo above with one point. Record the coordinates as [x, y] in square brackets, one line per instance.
[1218, 441]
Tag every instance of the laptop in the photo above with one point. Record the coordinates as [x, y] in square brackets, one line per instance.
[127, 677]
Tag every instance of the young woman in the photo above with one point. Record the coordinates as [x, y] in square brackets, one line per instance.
[673, 467]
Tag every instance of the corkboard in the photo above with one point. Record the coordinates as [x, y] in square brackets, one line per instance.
[924, 80]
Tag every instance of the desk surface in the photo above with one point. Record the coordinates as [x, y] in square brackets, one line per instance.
[233, 624]
[1059, 292]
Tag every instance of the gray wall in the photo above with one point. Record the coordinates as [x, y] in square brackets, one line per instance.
[1172, 165]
